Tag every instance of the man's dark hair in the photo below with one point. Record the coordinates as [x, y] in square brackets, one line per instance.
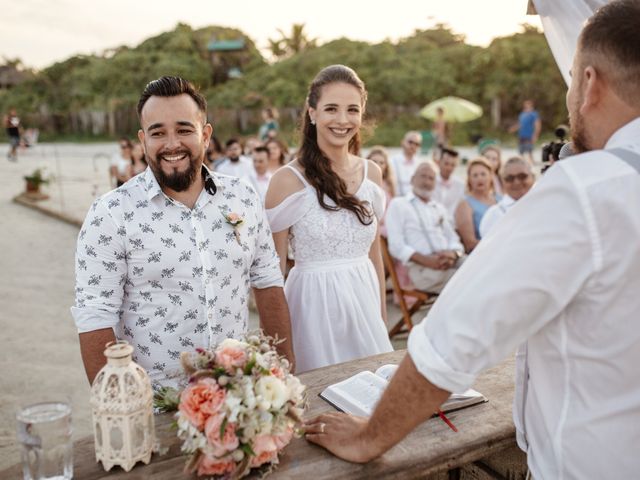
[448, 151]
[171, 87]
[231, 141]
[261, 149]
[610, 42]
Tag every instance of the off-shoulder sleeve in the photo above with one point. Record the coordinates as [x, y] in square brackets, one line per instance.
[289, 211]
[378, 200]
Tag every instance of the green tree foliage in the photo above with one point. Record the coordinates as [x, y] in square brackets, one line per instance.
[400, 76]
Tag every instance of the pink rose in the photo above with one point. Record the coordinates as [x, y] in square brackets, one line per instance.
[266, 447]
[221, 445]
[215, 466]
[233, 217]
[200, 400]
[277, 372]
[231, 355]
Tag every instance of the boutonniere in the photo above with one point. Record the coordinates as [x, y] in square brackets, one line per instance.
[235, 220]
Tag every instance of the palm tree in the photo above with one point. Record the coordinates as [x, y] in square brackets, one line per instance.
[295, 42]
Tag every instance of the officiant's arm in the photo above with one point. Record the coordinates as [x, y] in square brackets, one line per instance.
[274, 319]
[409, 400]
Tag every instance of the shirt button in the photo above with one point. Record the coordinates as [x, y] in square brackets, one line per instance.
[211, 316]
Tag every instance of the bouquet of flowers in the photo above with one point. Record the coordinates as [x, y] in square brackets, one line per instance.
[240, 408]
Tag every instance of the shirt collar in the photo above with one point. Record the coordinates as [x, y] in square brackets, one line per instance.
[625, 135]
[412, 196]
[212, 183]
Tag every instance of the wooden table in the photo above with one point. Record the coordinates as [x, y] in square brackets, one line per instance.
[431, 448]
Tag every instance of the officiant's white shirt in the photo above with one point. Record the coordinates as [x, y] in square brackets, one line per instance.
[563, 271]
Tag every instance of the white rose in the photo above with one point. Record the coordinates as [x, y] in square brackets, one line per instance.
[272, 391]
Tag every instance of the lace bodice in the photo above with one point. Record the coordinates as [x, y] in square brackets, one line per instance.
[318, 234]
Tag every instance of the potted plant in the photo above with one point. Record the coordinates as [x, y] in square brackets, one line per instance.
[35, 179]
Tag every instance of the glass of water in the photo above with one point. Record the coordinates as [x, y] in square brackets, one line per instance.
[44, 432]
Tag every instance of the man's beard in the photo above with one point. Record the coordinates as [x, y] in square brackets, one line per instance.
[423, 193]
[176, 180]
[579, 136]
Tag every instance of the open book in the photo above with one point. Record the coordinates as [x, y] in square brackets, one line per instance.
[359, 394]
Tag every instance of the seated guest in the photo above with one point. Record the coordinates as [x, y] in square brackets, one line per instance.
[236, 164]
[405, 162]
[517, 178]
[492, 153]
[214, 154]
[449, 189]
[379, 155]
[261, 175]
[421, 235]
[278, 153]
[475, 204]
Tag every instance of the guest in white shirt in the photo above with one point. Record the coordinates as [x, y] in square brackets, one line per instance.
[236, 164]
[421, 235]
[517, 178]
[561, 273]
[449, 189]
[405, 163]
[261, 175]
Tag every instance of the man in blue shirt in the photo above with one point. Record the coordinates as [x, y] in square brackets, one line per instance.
[528, 128]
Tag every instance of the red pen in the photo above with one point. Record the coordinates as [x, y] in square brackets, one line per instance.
[447, 421]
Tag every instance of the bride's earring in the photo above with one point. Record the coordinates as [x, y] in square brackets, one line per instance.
[313, 122]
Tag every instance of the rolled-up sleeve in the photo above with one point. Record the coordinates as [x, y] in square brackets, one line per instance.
[395, 223]
[518, 279]
[265, 268]
[101, 271]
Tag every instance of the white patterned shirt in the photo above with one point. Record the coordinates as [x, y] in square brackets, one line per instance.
[168, 278]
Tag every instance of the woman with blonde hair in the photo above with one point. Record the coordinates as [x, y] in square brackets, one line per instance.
[380, 156]
[494, 155]
[480, 196]
[327, 204]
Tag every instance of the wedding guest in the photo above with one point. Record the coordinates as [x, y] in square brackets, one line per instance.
[13, 127]
[138, 162]
[278, 152]
[235, 163]
[215, 154]
[440, 131]
[250, 145]
[405, 163]
[380, 156]
[493, 154]
[528, 128]
[475, 204]
[120, 166]
[518, 178]
[158, 262]
[449, 189]
[561, 275]
[327, 204]
[261, 176]
[421, 235]
[269, 127]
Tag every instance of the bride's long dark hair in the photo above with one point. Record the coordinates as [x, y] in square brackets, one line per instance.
[317, 167]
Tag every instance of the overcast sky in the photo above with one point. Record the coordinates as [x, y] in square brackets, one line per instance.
[41, 32]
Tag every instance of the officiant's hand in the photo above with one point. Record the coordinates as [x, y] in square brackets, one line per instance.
[342, 435]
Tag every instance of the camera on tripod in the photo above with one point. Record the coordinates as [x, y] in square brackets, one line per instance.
[552, 149]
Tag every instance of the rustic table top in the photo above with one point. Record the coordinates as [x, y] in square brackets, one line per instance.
[432, 447]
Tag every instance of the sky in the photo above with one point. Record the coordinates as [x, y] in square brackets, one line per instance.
[41, 32]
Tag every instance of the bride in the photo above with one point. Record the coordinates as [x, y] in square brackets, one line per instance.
[327, 203]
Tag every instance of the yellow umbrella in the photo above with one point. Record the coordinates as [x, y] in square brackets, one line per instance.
[455, 109]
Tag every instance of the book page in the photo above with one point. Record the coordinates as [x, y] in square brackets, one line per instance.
[462, 400]
[357, 395]
[387, 371]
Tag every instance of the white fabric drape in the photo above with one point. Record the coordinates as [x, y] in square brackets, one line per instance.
[562, 22]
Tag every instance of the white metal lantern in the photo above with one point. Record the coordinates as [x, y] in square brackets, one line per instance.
[122, 405]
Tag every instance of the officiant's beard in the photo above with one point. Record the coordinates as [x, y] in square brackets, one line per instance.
[176, 180]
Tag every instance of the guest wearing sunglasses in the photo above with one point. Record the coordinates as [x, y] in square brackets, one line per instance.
[517, 179]
[404, 164]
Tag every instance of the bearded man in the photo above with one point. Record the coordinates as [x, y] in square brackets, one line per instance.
[420, 234]
[559, 272]
[166, 261]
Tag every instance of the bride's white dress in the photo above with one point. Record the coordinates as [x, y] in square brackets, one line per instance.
[333, 290]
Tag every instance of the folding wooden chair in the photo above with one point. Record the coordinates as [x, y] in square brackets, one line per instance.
[422, 298]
